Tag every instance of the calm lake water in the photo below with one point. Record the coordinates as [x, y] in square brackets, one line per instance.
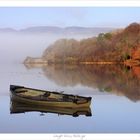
[115, 92]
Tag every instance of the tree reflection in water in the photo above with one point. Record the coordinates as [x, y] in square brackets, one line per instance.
[116, 79]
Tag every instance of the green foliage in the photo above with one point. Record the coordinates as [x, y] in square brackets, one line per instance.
[108, 36]
[108, 89]
[126, 69]
[126, 56]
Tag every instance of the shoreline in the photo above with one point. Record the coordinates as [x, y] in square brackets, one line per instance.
[75, 63]
[130, 62]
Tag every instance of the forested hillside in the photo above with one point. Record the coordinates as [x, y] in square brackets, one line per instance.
[114, 46]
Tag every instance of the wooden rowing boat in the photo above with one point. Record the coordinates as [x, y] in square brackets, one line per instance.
[18, 107]
[48, 98]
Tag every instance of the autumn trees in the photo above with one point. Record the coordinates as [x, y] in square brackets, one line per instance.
[110, 47]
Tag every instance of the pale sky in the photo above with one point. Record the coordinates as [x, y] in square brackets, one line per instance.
[20, 17]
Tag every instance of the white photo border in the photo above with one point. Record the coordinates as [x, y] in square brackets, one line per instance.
[70, 3]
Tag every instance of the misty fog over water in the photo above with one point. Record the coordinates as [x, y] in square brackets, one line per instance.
[15, 47]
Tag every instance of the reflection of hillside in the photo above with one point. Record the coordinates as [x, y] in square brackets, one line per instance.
[110, 78]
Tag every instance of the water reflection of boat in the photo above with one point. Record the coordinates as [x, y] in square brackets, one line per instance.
[47, 98]
[18, 107]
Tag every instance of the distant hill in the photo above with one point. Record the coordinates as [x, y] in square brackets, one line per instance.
[59, 30]
[67, 30]
[5, 30]
[42, 29]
